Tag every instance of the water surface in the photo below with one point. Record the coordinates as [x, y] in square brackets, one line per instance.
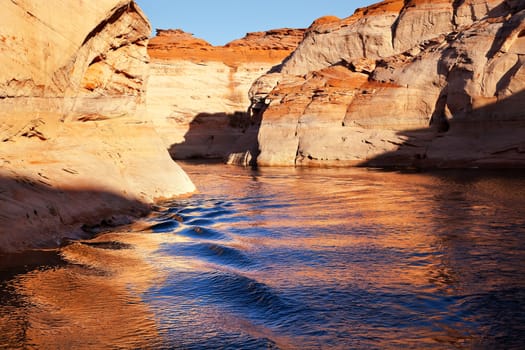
[289, 258]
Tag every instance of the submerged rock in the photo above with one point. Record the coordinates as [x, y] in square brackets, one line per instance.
[401, 83]
[75, 146]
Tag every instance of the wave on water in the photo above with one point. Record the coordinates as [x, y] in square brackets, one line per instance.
[291, 259]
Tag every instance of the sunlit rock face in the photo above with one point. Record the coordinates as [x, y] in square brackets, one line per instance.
[75, 146]
[402, 83]
[197, 93]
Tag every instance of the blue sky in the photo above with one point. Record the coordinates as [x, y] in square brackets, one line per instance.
[219, 22]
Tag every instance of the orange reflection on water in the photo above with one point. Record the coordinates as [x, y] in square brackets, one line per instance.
[363, 259]
[93, 302]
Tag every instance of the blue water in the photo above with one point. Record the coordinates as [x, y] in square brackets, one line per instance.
[293, 258]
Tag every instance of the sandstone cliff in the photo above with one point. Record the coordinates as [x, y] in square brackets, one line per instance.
[409, 83]
[75, 148]
[198, 94]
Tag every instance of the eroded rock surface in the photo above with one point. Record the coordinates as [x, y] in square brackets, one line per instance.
[198, 94]
[75, 146]
[403, 83]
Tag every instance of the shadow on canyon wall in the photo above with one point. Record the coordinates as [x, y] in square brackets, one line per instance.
[34, 214]
[231, 137]
[492, 135]
[482, 132]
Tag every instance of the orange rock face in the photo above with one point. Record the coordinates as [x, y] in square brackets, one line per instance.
[402, 83]
[76, 148]
[271, 47]
[197, 94]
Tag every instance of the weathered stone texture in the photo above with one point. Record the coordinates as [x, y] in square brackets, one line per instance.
[438, 83]
[197, 93]
[75, 146]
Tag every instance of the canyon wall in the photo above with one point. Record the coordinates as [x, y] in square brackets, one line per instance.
[75, 146]
[197, 93]
[401, 83]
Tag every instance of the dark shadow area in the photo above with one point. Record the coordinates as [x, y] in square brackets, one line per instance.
[33, 214]
[491, 136]
[477, 222]
[464, 133]
[15, 264]
[508, 25]
[117, 15]
[228, 137]
[438, 119]
[12, 264]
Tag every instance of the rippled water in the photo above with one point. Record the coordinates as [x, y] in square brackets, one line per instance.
[289, 258]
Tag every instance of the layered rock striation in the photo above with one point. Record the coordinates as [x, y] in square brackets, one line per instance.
[197, 93]
[402, 83]
[75, 146]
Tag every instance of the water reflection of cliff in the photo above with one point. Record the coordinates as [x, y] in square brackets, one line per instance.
[90, 299]
[445, 244]
[297, 258]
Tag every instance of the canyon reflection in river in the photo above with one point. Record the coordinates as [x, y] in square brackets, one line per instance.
[288, 258]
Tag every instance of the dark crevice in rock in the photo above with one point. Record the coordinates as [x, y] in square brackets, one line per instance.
[97, 59]
[502, 36]
[112, 19]
[394, 29]
[126, 74]
[505, 80]
[456, 5]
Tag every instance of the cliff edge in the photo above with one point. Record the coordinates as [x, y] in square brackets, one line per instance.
[75, 147]
[401, 83]
[197, 93]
